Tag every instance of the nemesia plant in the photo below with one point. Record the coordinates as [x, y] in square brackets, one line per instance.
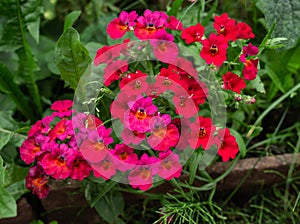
[158, 95]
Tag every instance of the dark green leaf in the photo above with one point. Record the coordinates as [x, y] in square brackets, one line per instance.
[193, 165]
[257, 83]
[70, 19]
[293, 63]
[8, 86]
[274, 76]
[110, 206]
[287, 17]
[175, 8]
[72, 58]
[210, 13]
[13, 174]
[8, 206]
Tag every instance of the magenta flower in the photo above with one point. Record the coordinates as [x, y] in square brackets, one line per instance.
[105, 169]
[62, 130]
[119, 26]
[94, 148]
[164, 48]
[138, 116]
[41, 126]
[62, 108]
[120, 105]
[125, 156]
[37, 182]
[249, 50]
[184, 104]
[174, 24]
[147, 25]
[57, 162]
[132, 137]
[141, 176]
[163, 134]
[169, 165]
[32, 147]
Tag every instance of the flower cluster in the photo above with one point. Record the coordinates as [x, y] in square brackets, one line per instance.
[157, 105]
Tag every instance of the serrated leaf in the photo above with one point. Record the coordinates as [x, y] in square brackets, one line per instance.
[240, 141]
[110, 206]
[70, 19]
[8, 206]
[72, 58]
[287, 17]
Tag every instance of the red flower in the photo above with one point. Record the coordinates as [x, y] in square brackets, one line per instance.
[202, 130]
[106, 54]
[105, 169]
[119, 26]
[227, 145]
[80, 167]
[244, 31]
[214, 49]
[233, 82]
[134, 84]
[249, 50]
[193, 34]
[226, 27]
[114, 71]
[124, 157]
[29, 149]
[37, 182]
[250, 70]
[62, 108]
[174, 24]
[149, 24]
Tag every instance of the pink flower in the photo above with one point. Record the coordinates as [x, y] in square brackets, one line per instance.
[227, 145]
[169, 166]
[193, 34]
[138, 116]
[105, 169]
[249, 50]
[119, 26]
[57, 162]
[163, 134]
[132, 137]
[233, 82]
[120, 105]
[125, 156]
[226, 27]
[184, 104]
[183, 126]
[149, 24]
[106, 54]
[214, 49]
[62, 130]
[141, 176]
[202, 130]
[62, 108]
[94, 148]
[114, 71]
[37, 182]
[29, 149]
[164, 48]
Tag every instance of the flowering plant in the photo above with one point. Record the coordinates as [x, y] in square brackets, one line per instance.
[151, 101]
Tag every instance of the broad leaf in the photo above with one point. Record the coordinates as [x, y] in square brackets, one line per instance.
[72, 58]
[110, 206]
[286, 14]
[8, 206]
[240, 142]
[17, 189]
[70, 19]
[175, 8]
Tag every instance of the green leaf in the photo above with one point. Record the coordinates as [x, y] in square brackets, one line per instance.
[8, 86]
[210, 13]
[70, 19]
[293, 64]
[33, 10]
[72, 58]
[175, 8]
[13, 174]
[237, 118]
[8, 206]
[240, 141]
[193, 165]
[276, 80]
[8, 128]
[17, 189]
[287, 17]
[257, 83]
[110, 206]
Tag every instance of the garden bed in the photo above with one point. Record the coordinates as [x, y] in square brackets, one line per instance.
[67, 204]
